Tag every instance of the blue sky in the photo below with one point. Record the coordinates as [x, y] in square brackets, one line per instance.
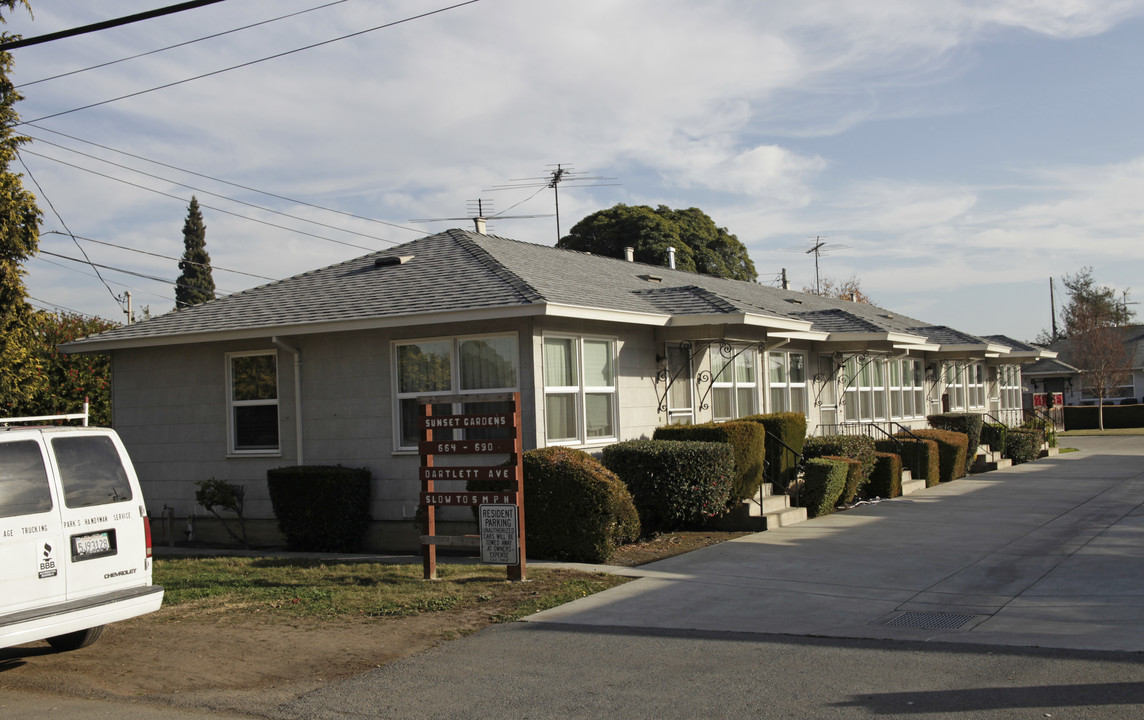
[962, 152]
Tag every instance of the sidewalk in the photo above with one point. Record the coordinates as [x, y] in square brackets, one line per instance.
[1046, 554]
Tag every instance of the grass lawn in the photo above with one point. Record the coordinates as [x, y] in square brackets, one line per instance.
[1114, 431]
[292, 589]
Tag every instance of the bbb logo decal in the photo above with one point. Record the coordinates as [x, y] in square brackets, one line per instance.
[47, 564]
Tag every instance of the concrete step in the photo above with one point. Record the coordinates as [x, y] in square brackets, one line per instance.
[986, 460]
[1049, 452]
[783, 518]
[911, 484]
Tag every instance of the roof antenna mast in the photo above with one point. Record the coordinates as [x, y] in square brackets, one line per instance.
[562, 174]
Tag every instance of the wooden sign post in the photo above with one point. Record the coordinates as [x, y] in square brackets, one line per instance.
[501, 511]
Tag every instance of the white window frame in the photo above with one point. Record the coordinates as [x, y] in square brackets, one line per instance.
[455, 342]
[785, 386]
[580, 391]
[908, 370]
[863, 393]
[678, 414]
[232, 405]
[727, 379]
[965, 383]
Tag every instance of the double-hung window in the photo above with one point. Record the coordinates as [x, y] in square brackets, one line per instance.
[252, 397]
[865, 389]
[965, 383]
[907, 392]
[680, 397]
[579, 389]
[786, 376]
[1009, 385]
[734, 387]
[468, 365]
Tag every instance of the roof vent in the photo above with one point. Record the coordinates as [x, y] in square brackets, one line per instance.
[794, 301]
[650, 278]
[392, 260]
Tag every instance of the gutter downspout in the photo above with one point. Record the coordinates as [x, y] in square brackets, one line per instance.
[297, 392]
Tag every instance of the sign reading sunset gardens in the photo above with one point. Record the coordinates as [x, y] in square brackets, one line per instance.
[500, 512]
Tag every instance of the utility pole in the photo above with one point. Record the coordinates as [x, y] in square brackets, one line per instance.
[1053, 308]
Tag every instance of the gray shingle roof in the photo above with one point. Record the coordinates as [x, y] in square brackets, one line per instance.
[460, 271]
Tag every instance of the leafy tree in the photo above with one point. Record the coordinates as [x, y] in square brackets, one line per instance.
[1099, 352]
[19, 238]
[1089, 305]
[196, 284]
[700, 245]
[850, 289]
[62, 382]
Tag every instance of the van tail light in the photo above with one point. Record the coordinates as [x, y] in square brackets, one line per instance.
[147, 533]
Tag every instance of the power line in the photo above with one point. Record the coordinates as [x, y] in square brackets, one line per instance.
[208, 192]
[65, 226]
[179, 45]
[249, 63]
[184, 200]
[164, 257]
[45, 305]
[125, 272]
[105, 24]
[152, 293]
[220, 180]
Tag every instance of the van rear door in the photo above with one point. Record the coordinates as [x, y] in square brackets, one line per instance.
[102, 513]
[32, 550]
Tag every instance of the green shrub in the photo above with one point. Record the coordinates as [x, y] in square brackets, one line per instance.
[745, 438]
[920, 456]
[823, 482]
[1023, 445]
[886, 480]
[1048, 429]
[855, 447]
[853, 477]
[790, 428]
[993, 435]
[575, 509]
[952, 447]
[674, 483]
[963, 422]
[321, 508]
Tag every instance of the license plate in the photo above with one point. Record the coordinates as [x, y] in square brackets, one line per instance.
[93, 545]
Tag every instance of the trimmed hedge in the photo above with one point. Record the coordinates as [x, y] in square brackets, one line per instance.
[856, 447]
[321, 508]
[575, 509]
[674, 483]
[886, 480]
[823, 483]
[791, 429]
[1023, 445]
[746, 439]
[952, 448]
[853, 477]
[1087, 417]
[963, 422]
[993, 435]
[920, 457]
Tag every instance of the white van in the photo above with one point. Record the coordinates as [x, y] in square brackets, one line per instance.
[75, 541]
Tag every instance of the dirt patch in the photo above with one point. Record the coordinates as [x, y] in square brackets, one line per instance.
[245, 662]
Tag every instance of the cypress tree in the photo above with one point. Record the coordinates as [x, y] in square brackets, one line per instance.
[195, 284]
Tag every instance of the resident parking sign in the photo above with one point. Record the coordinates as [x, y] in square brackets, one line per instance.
[499, 537]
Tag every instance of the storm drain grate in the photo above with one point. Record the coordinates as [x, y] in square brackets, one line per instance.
[931, 620]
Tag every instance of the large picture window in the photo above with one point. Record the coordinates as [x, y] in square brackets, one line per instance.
[907, 388]
[252, 380]
[579, 389]
[965, 384]
[786, 379]
[734, 387]
[1009, 386]
[452, 366]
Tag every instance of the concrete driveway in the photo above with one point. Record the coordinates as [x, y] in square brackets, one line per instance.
[1046, 554]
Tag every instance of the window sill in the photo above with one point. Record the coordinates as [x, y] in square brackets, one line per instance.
[231, 455]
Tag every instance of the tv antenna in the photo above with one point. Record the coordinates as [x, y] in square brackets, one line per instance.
[819, 248]
[479, 213]
[563, 173]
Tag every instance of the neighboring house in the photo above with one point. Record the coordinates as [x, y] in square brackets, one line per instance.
[1060, 375]
[326, 367]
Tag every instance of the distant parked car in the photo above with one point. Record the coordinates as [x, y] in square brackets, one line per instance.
[75, 541]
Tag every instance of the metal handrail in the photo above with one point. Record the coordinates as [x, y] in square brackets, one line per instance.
[797, 467]
[902, 429]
